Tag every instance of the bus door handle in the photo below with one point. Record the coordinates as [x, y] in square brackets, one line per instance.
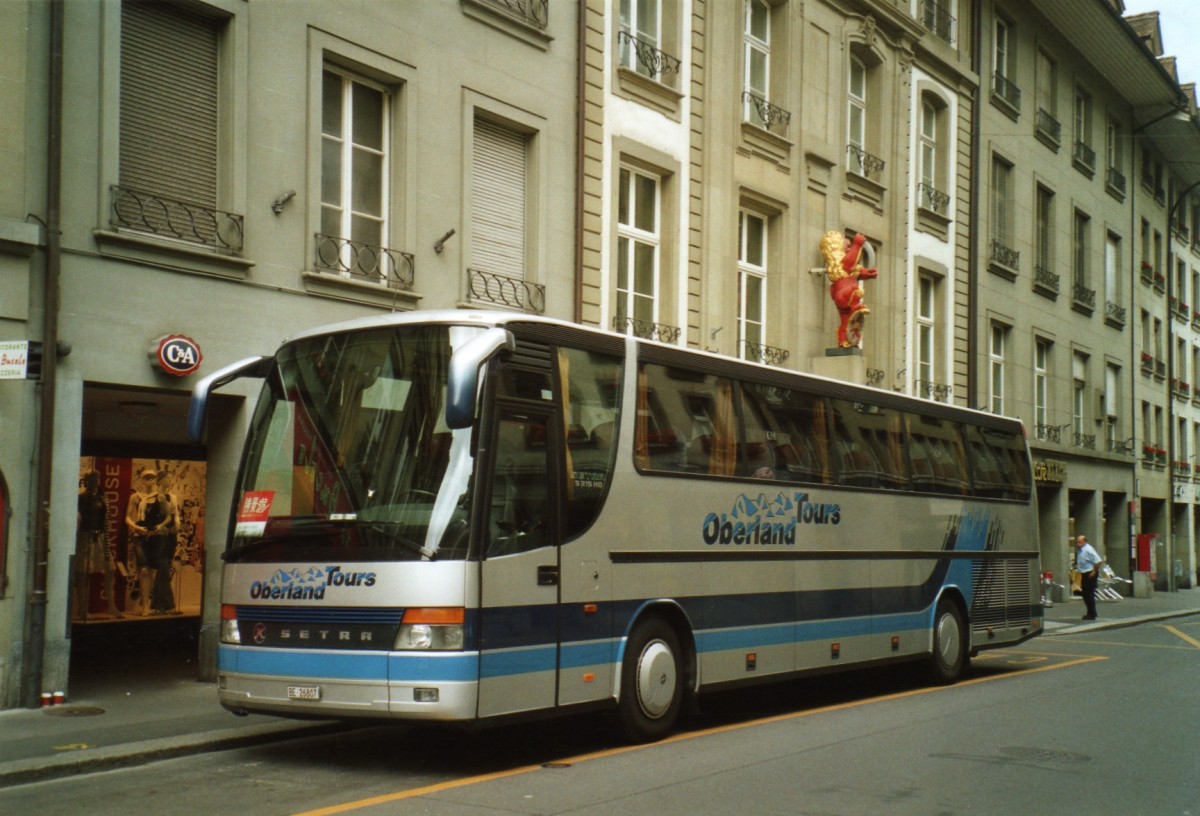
[548, 575]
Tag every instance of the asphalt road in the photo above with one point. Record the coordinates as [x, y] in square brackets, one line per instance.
[1087, 724]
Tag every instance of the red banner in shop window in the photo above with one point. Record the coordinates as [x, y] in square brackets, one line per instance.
[116, 482]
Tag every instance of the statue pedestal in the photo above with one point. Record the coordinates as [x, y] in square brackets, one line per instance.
[846, 364]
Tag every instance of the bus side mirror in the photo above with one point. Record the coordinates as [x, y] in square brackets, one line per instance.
[464, 374]
[198, 409]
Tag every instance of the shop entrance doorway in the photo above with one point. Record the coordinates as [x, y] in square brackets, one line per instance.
[137, 573]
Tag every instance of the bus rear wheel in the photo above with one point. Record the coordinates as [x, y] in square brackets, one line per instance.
[949, 657]
[651, 682]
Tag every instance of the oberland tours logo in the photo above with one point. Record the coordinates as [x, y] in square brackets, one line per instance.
[307, 584]
[761, 521]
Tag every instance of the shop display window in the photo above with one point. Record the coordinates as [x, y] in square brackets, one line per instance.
[139, 547]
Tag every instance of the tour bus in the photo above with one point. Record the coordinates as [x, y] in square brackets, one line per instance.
[470, 517]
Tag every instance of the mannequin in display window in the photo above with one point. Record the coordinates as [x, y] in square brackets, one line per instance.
[153, 519]
[91, 548]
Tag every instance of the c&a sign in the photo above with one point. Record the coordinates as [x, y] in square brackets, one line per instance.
[175, 354]
[1049, 471]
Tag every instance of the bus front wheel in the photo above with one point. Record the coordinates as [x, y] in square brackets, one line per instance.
[651, 682]
[949, 657]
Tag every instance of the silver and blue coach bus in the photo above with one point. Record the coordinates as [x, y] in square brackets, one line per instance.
[457, 516]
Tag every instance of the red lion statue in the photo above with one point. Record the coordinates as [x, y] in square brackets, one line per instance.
[845, 273]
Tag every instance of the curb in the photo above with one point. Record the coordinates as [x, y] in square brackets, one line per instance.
[1115, 623]
[91, 760]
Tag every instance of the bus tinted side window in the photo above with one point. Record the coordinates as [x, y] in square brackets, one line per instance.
[796, 432]
[869, 443]
[686, 423]
[936, 455]
[591, 396]
[999, 464]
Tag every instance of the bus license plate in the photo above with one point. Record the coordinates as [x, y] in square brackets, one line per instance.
[304, 692]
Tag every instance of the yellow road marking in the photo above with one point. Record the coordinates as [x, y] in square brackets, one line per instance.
[397, 796]
[1182, 636]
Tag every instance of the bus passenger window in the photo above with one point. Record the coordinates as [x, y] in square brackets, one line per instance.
[797, 422]
[591, 385]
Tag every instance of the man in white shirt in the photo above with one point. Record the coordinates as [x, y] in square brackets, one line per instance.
[1087, 561]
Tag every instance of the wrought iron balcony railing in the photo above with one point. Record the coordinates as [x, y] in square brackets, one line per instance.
[170, 218]
[863, 163]
[937, 18]
[1007, 90]
[759, 111]
[1114, 312]
[1084, 155]
[644, 58]
[531, 12]
[1087, 441]
[1048, 433]
[1006, 256]
[1046, 125]
[1122, 447]
[932, 390]
[1044, 279]
[646, 329]
[363, 262]
[1115, 180]
[1083, 296]
[932, 199]
[759, 353]
[514, 293]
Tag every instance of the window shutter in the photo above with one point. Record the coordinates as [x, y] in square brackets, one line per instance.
[498, 203]
[169, 102]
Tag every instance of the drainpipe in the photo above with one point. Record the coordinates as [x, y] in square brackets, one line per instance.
[580, 141]
[35, 631]
[973, 232]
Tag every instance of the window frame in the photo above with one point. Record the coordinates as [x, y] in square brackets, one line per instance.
[751, 43]
[997, 348]
[747, 271]
[636, 236]
[1041, 384]
[348, 80]
[925, 317]
[857, 103]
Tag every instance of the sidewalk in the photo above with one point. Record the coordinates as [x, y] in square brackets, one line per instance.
[1065, 618]
[129, 709]
[126, 714]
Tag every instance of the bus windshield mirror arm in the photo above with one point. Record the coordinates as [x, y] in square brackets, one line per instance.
[250, 367]
[464, 374]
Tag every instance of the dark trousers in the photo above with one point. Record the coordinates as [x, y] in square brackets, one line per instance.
[160, 555]
[1087, 588]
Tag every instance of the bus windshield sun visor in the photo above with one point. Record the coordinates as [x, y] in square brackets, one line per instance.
[464, 374]
[250, 367]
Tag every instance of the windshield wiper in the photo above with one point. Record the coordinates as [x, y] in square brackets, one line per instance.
[296, 528]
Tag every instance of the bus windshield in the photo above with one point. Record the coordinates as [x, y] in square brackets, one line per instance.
[349, 454]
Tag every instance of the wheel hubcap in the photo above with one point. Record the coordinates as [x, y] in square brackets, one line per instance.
[656, 679]
[947, 634]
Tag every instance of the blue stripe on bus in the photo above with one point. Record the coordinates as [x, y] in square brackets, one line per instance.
[452, 667]
[379, 667]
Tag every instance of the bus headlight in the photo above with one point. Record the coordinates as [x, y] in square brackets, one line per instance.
[432, 629]
[229, 625]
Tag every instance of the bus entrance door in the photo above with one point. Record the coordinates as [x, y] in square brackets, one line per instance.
[519, 610]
